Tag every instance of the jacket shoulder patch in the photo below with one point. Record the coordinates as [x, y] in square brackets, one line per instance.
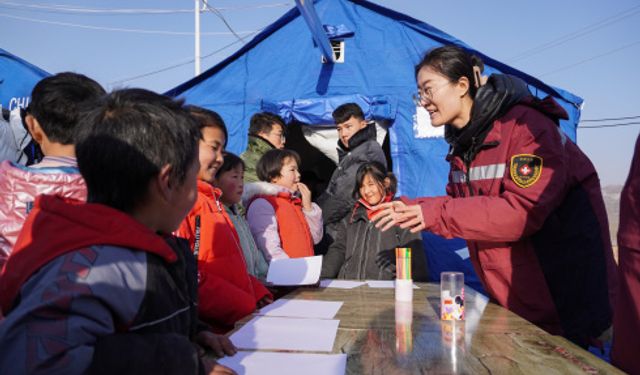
[525, 169]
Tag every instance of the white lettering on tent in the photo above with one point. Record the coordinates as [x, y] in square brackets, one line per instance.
[422, 125]
[22, 102]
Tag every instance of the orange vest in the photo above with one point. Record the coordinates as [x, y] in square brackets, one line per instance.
[293, 229]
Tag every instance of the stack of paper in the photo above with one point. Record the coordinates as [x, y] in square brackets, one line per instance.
[340, 284]
[286, 363]
[275, 333]
[295, 271]
[301, 309]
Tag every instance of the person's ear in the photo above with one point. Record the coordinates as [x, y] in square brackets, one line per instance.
[34, 128]
[164, 183]
[462, 86]
[387, 183]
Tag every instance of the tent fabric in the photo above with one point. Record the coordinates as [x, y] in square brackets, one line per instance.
[317, 111]
[17, 78]
[281, 70]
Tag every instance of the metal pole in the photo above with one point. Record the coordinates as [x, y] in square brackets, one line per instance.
[197, 36]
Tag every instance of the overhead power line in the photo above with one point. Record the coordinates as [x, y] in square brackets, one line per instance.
[119, 29]
[611, 119]
[60, 8]
[217, 13]
[609, 125]
[577, 34]
[177, 65]
[591, 58]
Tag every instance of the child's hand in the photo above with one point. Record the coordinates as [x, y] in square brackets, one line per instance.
[212, 367]
[264, 301]
[306, 196]
[220, 344]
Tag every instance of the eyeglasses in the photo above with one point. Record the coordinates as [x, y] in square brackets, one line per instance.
[424, 96]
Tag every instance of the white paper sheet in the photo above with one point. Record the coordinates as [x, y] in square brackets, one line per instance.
[340, 284]
[296, 271]
[265, 332]
[301, 309]
[248, 363]
[385, 284]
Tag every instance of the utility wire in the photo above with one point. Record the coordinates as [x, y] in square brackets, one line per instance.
[60, 8]
[170, 67]
[611, 119]
[591, 58]
[141, 31]
[217, 13]
[576, 34]
[610, 125]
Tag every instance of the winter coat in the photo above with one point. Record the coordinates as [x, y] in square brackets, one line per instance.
[226, 292]
[626, 323]
[97, 292]
[528, 202]
[337, 200]
[280, 227]
[256, 264]
[256, 147]
[20, 185]
[361, 251]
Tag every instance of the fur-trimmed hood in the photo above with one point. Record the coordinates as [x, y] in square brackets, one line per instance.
[261, 188]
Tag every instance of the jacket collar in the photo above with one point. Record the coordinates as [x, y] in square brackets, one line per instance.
[493, 100]
[263, 188]
[361, 136]
[363, 211]
[209, 190]
[258, 144]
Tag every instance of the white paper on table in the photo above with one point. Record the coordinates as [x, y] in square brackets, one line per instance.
[266, 332]
[340, 284]
[286, 363]
[390, 284]
[295, 271]
[295, 308]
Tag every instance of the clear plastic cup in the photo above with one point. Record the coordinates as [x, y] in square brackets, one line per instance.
[452, 296]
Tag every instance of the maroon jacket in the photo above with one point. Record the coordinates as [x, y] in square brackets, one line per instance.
[529, 204]
[626, 325]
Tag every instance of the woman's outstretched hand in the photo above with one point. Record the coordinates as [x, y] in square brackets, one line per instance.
[398, 213]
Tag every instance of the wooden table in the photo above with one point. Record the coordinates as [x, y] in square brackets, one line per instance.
[382, 336]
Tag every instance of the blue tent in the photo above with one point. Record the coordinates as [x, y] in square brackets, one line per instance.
[281, 70]
[17, 78]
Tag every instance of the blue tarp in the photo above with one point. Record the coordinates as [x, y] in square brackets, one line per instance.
[17, 78]
[281, 70]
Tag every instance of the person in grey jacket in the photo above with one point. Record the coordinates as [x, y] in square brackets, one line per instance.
[356, 145]
[361, 251]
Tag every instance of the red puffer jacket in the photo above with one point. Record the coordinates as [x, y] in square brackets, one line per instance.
[20, 186]
[226, 292]
[529, 204]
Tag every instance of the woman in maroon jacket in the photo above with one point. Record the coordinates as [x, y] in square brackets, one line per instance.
[525, 198]
[626, 325]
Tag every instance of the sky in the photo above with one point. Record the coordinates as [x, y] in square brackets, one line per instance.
[588, 47]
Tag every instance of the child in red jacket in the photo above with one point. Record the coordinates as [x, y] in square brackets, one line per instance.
[226, 292]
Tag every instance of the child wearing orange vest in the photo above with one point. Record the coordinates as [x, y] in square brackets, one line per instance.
[226, 291]
[283, 220]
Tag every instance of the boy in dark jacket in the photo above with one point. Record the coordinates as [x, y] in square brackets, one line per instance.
[100, 287]
[356, 145]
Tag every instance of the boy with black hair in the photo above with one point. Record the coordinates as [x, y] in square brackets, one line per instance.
[57, 103]
[227, 292]
[101, 287]
[266, 132]
[356, 145]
